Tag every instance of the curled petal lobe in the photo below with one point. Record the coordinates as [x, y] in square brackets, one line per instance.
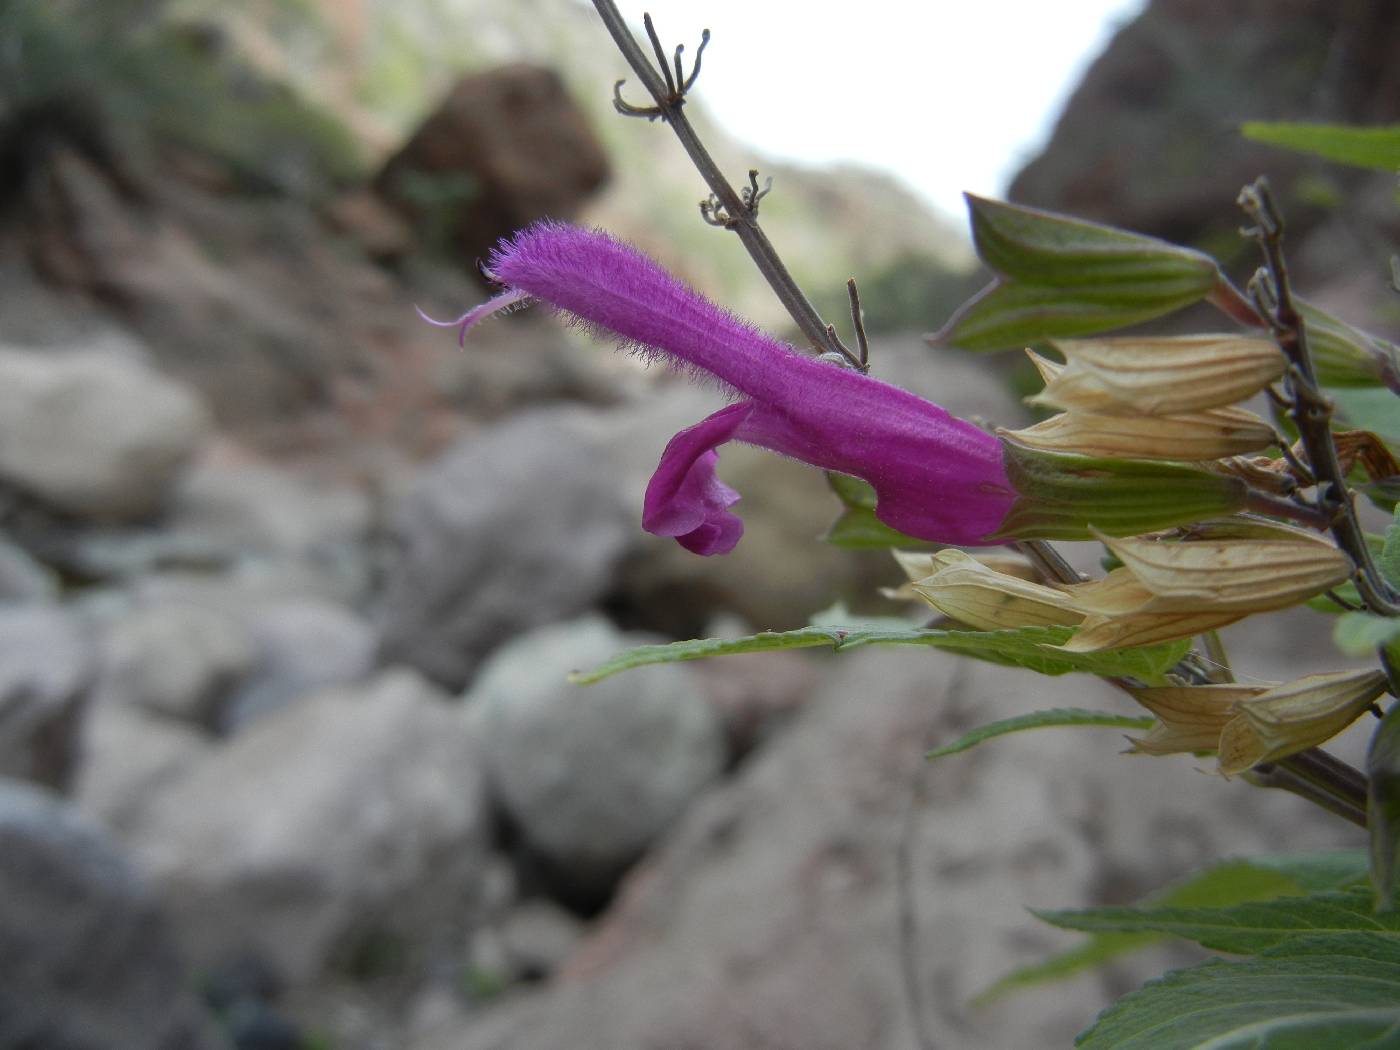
[685, 498]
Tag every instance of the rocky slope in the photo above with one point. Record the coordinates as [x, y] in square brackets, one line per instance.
[288, 584]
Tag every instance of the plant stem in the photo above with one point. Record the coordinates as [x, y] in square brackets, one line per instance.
[1328, 781]
[1310, 410]
[740, 217]
[1263, 503]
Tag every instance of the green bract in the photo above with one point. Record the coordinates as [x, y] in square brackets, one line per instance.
[1064, 496]
[1059, 276]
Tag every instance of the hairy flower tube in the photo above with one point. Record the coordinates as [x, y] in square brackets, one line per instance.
[936, 477]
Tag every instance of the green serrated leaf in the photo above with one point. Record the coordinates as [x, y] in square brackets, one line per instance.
[1057, 716]
[1030, 647]
[1312, 993]
[1383, 809]
[1232, 882]
[1362, 633]
[1377, 148]
[1244, 929]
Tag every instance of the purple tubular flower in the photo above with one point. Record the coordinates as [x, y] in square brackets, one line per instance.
[936, 477]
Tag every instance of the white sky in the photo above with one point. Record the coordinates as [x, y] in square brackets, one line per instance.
[950, 95]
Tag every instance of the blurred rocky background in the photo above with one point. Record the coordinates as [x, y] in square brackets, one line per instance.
[289, 584]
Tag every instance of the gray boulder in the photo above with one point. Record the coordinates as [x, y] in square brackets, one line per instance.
[592, 775]
[357, 811]
[46, 666]
[86, 958]
[773, 915]
[176, 659]
[520, 525]
[23, 578]
[301, 645]
[94, 434]
[276, 522]
[129, 756]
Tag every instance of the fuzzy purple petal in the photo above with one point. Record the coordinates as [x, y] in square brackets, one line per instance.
[685, 498]
[935, 476]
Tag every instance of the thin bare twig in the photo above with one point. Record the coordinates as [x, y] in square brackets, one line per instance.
[858, 323]
[668, 93]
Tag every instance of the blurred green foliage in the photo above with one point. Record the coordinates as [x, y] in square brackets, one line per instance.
[912, 293]
[126, 70]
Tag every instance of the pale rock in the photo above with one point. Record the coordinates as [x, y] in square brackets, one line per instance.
[87, 961]
[46, 666]
[519, 525]
[538, 937]
[301, 645]
[772, 916]
[95, 434]
[23, 578]
[592, 775]
[177, 659]
[359, 809]
[130, 756]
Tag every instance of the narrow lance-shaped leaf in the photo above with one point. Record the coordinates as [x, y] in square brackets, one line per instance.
[1031, 647]
[1053, 717]
[1004, 316]
[1243, 929]
[1374, 147]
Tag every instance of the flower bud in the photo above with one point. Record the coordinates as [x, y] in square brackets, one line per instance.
[972, 593]
[1295, 716]
[1221, 573]
[1190, 718]
[1210, 434]
[1160, 376]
